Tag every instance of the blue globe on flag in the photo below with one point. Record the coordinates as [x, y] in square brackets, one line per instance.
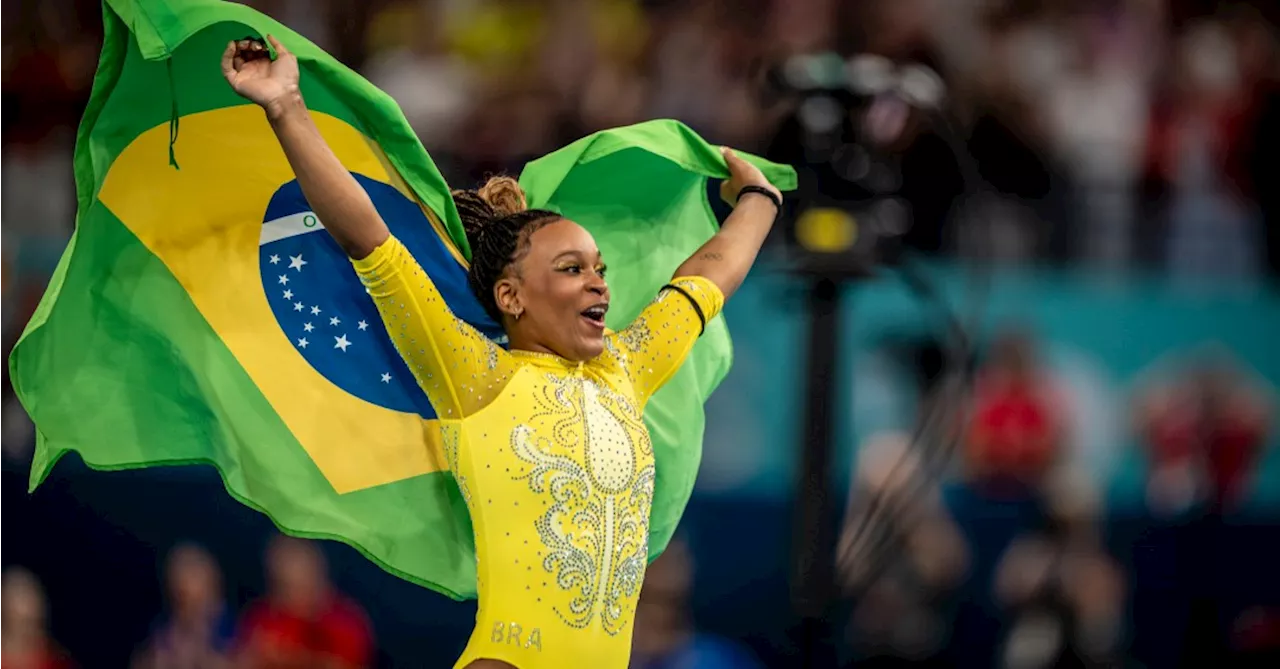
[331, 320]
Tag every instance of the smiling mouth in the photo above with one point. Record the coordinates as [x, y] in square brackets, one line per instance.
[595, 314]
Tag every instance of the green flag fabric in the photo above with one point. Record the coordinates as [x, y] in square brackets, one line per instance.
[201, 315]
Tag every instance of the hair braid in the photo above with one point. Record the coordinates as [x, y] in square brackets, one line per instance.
[498, 227]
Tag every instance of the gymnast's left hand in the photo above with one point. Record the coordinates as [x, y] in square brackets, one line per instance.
[742, 174]
[249, 69]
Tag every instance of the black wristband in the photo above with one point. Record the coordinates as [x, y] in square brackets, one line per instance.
[761, 190]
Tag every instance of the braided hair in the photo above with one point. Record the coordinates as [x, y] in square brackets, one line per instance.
[498, 225]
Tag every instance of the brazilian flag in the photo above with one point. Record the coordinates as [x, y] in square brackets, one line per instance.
[201, 315]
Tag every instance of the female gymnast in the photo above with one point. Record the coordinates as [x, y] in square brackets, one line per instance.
[545, 440]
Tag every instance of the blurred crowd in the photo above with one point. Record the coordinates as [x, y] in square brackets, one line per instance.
[304, 621]
[919, 581]
[301, 622]
[1121, 133]
[1060, 597]
[1117, 133]
[1113, 136]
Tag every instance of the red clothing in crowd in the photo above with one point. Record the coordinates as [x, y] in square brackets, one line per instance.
[1014, 431]
[1226, 127]
[1227, 446]
[50, 657]
[338, 636]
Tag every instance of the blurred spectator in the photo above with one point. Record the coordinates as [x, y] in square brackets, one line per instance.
[702, 72]
[1063, 593]
[591, 58]
[665, 637]
[1260, 58]
[48, 70]
[1097, 60]
[1255, 638]
[410, 60]
[198, 629]
[998, 60]
[303, 621]
[1199, 137]
[6, 285]
[900, 556]
[1204, 426]
[17, 432]
[1017, 430]
[49, 58]
[35, 262]
[500, 38]
[24, 636]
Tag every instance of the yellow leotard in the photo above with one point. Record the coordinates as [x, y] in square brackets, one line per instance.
[552, 458]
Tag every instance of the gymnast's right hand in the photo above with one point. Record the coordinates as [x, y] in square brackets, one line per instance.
[252, 73]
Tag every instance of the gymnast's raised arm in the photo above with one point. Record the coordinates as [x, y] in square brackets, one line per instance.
[727, 257]
[338, 200]
[447, 357]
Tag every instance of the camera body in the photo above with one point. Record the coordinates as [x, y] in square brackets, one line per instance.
[849, 121]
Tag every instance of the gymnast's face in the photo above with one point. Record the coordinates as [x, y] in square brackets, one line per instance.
[559, 292]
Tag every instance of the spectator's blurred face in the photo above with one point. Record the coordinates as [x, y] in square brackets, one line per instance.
[296, 574]
[194, 580]
[22, 602]
[887, 464]
[1255, 47]
[1073, 505]
[1213, 383]
[1209, 61]
[1014, 356]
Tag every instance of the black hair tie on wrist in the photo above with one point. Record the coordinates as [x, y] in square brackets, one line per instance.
[761, 190]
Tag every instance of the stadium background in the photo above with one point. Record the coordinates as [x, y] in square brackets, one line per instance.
[1128, 150]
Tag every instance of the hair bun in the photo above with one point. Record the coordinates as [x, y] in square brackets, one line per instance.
[498, 198]
[504, 195]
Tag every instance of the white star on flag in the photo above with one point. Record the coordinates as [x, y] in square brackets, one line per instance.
[315, 311]
[386, 378]
[275, 259]
[296, 262]
[302, 343]
[288, 294]
[283, 279]
[297, 306]
[341, 342]
[307, 327]
[362, 325]
[334, 321]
